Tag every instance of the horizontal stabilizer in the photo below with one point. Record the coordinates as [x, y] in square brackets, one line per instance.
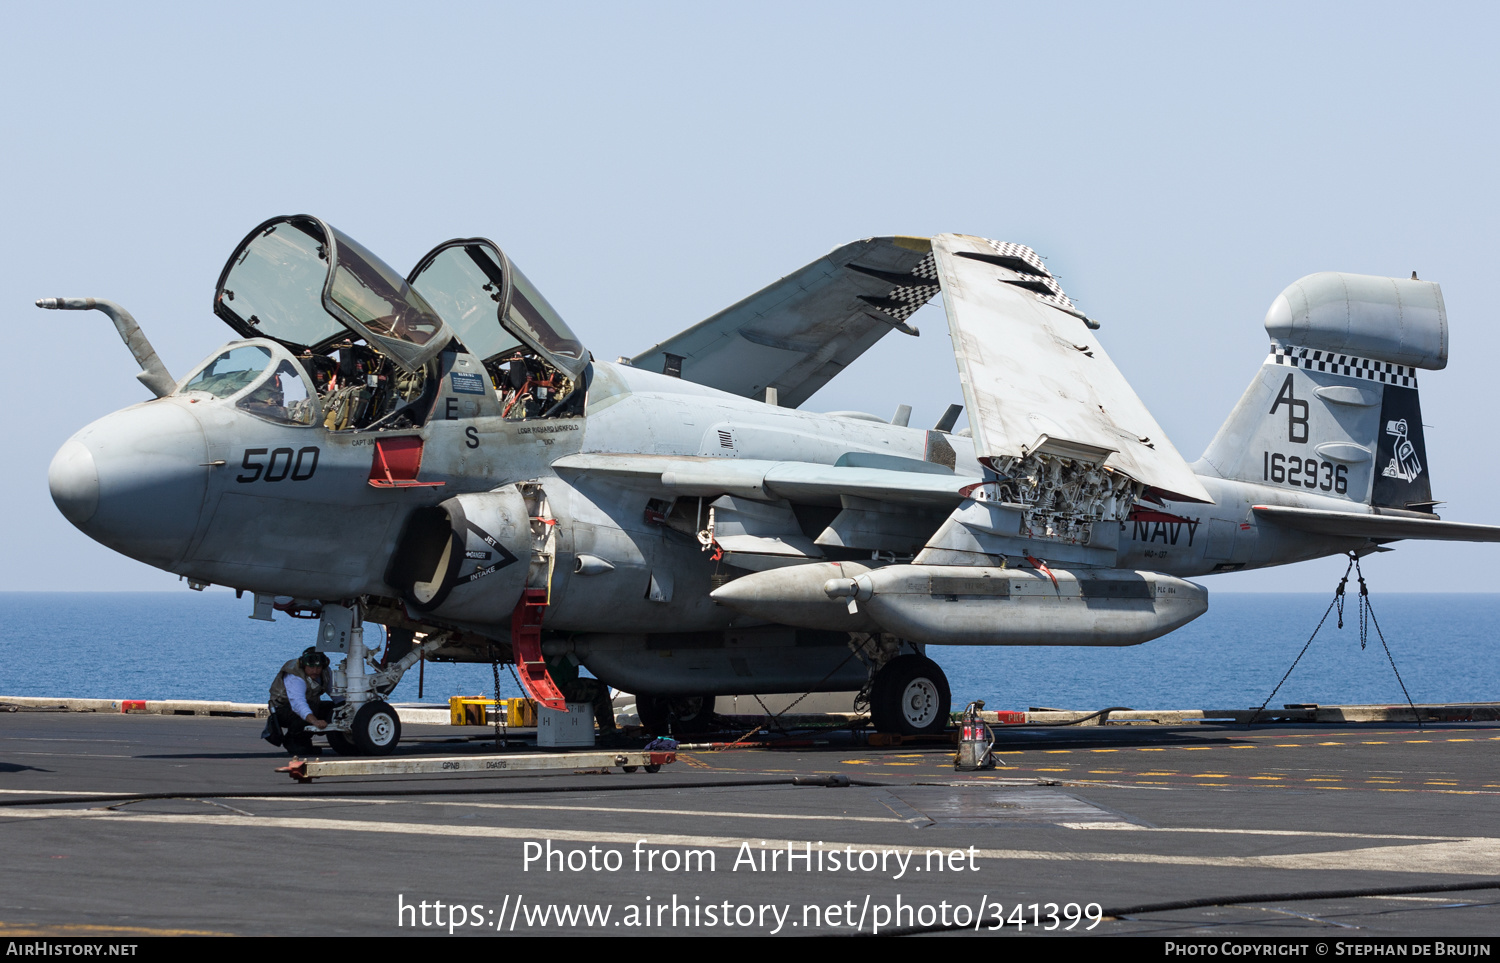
[752, 478]
[1035, 377]
[797, 334]
[1358, 525]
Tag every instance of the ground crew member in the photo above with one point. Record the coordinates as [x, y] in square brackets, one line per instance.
[297, 703]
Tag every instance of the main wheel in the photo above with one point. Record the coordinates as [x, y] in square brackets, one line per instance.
[879, 716]
[684, 715]
[912, 696]
[376, 729]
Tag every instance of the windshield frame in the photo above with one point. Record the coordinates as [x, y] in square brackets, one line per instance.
[280, 355]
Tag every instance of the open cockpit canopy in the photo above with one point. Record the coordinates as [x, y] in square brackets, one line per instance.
[298, 281]
[492, 306]
[370, 340]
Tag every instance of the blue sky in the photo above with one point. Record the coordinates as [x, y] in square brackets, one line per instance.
[1178, 164]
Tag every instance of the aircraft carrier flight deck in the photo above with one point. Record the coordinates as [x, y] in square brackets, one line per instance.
[120, 825]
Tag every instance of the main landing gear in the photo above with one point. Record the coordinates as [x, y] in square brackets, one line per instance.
[910, 696]
[679, 715]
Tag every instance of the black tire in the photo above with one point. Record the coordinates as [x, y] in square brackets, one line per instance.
[682, 715]
[913, 697]
[340, 743]
[376, 729]
[654, 713]
[880, 719]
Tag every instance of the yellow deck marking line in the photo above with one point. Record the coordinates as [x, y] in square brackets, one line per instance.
[1461, 856]
[1308, 833]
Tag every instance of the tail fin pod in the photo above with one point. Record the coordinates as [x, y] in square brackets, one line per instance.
[1334, 409]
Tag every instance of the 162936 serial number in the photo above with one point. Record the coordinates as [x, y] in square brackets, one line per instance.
[1304, 472]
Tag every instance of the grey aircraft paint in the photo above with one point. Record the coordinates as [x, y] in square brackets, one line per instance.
[685, 540]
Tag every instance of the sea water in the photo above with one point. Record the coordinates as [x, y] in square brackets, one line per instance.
[202, 645]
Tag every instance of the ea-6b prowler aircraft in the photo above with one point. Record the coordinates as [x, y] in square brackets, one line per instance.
[439, 454]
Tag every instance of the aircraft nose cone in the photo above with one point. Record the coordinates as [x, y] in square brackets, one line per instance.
[135, 480]
[74, 482]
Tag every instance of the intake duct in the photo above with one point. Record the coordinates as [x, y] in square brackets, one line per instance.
[465, 559]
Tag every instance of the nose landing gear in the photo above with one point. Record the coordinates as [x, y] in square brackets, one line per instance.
[364, 724]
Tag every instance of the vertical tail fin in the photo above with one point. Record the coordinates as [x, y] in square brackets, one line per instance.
[1334, 409]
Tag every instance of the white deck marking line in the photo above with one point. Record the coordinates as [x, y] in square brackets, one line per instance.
[1462, 857]
[889, 820]
[1115, 826]
[66, 792]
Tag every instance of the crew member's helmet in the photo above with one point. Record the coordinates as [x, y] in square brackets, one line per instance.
[312, 657]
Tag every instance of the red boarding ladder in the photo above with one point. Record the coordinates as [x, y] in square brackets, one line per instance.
[526, 642]
[526, 620]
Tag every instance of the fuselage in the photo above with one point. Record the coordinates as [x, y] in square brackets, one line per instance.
[205, 489]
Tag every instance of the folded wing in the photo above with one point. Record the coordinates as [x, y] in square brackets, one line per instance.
[796, 335]
[1036, 379]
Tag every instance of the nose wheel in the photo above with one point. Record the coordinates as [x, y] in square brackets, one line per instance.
[376, 729]
[910, 696]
